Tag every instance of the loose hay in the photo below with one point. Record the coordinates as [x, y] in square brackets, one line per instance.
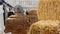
[49, 10]
[44, 27]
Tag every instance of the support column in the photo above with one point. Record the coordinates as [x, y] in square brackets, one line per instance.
[2, 27]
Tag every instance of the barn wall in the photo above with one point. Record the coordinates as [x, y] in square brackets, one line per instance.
[24, 3]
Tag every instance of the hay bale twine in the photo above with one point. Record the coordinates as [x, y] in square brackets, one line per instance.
[49, 10]
[44, 27]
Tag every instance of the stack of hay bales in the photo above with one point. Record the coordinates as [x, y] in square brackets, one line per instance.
[20, 23]
[49, 15]
[49, 10]
[17, 22]
[44, 27]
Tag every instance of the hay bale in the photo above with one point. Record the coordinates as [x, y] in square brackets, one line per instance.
[32, 12]
[49, 10]
[16, 22]
[32, 16]
[20, 22]
[15, 32]
[44, 27]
